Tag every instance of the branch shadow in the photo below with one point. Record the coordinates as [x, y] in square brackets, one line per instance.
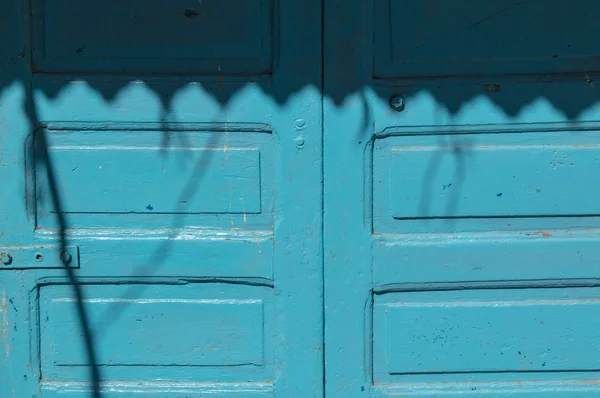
[163, 250]
[448, 145]
[42, 160]
[511, 99]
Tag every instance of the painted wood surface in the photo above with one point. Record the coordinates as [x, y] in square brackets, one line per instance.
[302, 198]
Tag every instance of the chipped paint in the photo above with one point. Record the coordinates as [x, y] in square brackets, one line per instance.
[4, 324]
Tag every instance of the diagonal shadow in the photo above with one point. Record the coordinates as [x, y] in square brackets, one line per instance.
[162, 252]
[41, 159]
[571, 101]
[457, 149]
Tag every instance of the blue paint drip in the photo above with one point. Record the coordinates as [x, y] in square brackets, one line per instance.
[499, 194]
[149, 207]
[11, 301]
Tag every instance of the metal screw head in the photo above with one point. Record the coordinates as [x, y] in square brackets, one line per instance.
[66, 257]
[300, 123]
[5, 258]
[397, 103]
[299, 141]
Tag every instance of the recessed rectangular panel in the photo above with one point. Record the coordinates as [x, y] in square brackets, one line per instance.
[456, 258]
[11, 45]
[222, 332]
[428, 38]
[495, 181]
[142, 180]
[153, 174]
[503, 175]
[209, 36]
[486, 331]
[187, 253]
[181, 329]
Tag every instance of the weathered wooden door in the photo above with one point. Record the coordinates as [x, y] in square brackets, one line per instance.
[160, 210]
[166, 167]
[461, 207]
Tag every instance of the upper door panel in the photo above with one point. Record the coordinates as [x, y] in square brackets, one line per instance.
[156, 37]
[498, 37]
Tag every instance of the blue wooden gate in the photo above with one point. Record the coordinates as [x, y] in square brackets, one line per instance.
[161, 211]
[300, 198]
[461, 149]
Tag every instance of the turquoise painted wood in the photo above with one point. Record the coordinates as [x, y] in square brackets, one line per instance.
[300, 198]
[173, 151]
[461, 216]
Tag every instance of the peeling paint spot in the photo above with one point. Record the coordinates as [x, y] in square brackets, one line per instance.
[244, 208]
[12, 302]
[190, 13]
[4, 325]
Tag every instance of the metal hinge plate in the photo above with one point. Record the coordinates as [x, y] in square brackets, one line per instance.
[32, 257]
